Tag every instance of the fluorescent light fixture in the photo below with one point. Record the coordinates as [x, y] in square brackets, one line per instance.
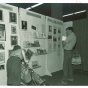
[74, 13]
[36, 5]
[67, 14]
[33, 6]
[28, 8]
[80, 12]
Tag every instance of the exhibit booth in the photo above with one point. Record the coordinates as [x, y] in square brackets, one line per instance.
[34, 31]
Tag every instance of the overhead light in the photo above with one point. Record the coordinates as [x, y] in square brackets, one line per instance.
[36, 5]
[80, 12]
[74, 13]
[67, 15]
[33, 6]
[28, 8]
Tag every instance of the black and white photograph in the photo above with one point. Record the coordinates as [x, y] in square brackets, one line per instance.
[24, 25]
[59, 38]
[33, 27]
[12, 17]
[1, 15]
[2, 32]
[26, 44]
[14, 40]
[13, 29]
[55, 31]
[2, 46]
[2, 57]
[49, 36]
[54, 46]
[59, 31]
[2, 67]
[54, 39]
[50, 28]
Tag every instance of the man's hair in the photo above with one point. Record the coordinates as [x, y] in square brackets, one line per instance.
[70, 28]
[16, 47]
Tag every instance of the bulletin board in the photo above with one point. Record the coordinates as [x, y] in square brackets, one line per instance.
[33, 36]
[9, 36]
[54, 29]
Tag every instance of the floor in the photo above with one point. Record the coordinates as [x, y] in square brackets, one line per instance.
[80, 79]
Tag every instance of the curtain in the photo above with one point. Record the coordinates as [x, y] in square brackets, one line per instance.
[81, 31]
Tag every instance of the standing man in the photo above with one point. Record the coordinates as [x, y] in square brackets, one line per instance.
[68, 45]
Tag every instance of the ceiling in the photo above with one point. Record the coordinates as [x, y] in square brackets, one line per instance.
[22, 5]
[45, 8]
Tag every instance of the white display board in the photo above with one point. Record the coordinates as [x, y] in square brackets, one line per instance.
[32, 29]
[54, 29]
[9, 36]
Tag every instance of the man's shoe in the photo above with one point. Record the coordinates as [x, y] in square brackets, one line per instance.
[63, 82]
[71, 80]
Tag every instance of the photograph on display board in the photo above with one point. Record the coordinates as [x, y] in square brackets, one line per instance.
[2, 32]
[49, 46]
[54, 31]
[54, 39]
[59, 30]
[2, 57]
[54, 46]
[58, 50]
[24, 25]
[50, 28]
[2, 67]
[43, 30]
[49, 36]
[1, 15]
[13, 29]
[26, 44]
[14, 40]
[2, 46]
[58, 38]
[33, 27]
[12, 17]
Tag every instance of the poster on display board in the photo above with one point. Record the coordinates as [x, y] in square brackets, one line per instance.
[49, 30]
[58, 50]
[12, 17]
[54, 46]
[49, 46]
[54, 43]
[2, 67]
[13, 29]
[44, 30]
[2, 46]
[1, 15]
[2, 32]
[59, 31]
[2, 57]
[14, 40]
[24, 25]
[54, 31]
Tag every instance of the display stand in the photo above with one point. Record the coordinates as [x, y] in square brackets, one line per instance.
[33, 37]
[54, 29]
[9, 32]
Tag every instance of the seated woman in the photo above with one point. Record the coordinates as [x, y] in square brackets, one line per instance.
[14, 66]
